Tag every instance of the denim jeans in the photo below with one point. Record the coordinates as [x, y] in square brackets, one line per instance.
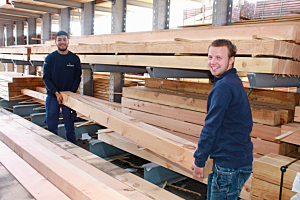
[52, 118]
[227, 183]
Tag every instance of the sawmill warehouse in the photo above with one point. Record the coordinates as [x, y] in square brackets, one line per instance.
[146, 84]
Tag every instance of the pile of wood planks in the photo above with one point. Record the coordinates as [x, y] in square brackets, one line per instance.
[102, 83]
[19, 52]
[11, 84]
[267, 177]
[51, 168]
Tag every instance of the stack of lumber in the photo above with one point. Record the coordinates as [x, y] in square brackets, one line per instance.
[268, 53]
[267, 177]
[102, 83]
[49, 167]
[11, 84]
[18, 52]
[275, 8]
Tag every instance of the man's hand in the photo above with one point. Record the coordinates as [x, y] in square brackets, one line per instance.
[59, 97]
[198, 171]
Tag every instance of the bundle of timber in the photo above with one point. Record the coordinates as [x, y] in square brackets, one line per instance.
[266, 179]
[102, 83]
[181, 107]
[11, 84]
[275, 8]
[18, 52]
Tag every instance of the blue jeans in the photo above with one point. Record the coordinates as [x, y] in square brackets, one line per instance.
[52, 118]
[227, 183]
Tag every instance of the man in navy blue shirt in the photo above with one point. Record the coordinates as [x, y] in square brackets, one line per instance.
[225, 136]
[62, 72]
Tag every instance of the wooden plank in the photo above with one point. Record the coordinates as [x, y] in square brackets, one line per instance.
[297, 114]
[242, 64]
[38, 186]
[15, 50]
[280, 31]
[135, 182]
[250, 47]
[267, 168]
[266, 147]
[173, 148]
[293, 138]
[15, 57]
[172, 124]
[269, 191]
[266, 96]
[115, 139]
[265, 132]
[69, 179]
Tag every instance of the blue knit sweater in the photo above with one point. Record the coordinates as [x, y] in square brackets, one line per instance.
[228, 124]
[61, 72]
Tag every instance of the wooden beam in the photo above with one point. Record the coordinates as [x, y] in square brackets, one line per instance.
[126, 178]
[169, 146]
[37, 185]
[267, 168]
[294, 138]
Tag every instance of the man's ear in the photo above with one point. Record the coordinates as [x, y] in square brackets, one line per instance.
[231, 60]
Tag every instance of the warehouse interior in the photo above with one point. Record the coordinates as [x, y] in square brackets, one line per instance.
[142, 100]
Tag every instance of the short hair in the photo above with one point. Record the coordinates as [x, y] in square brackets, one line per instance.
[232, 49]
[59, 33]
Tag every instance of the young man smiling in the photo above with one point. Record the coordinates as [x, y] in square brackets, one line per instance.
[225, 137]
[62, 72]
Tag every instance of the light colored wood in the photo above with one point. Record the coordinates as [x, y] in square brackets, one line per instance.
[15, 57]
[127, 178]
[242, 64]
[265, 132]
[250, 47]
[15, 50]
[169, 146]
[269, 191]
[34, 94]
[265, 147]
[287, 134]
[297, 114]
[74, 182]
[38, 186]
[266, 96]
[172, 124]
[294, 138]
[125, 144]
[267, 168]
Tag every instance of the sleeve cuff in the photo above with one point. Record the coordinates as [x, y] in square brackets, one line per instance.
[199, 163]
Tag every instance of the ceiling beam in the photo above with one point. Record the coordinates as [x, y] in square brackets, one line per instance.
[4, 21]
[71, 4]
[12, 17]
[140, 4]
[36, 8]
[102, 9]
[19, 13]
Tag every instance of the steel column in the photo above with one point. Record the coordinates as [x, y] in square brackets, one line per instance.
[19, 33]
[46, 27]
[118, 16]
[9, 34]
[87, 21]
[30, 70]
[87, 82]
[64, 20]
[222, 12]
[31, 30]
[2, 43]
[115, 86]
[161, 14]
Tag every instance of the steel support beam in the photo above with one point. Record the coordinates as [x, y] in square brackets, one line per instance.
[2, 38]
[71, 4]
[20, 62]
[102, 9]
[140, 4]
[9, 34]
[31, 30]
[14, 18]
[161, 14]
[36, 63]
[258, 80]
[35, 8]
[87, 82]
[64, 20]
[90, 129]
[26, 110]
[115, 87]
[19, 33]
[46, 27]
[104, 150]
[19, 13]
[6, 60]
[157, 72]
[117, 68]
[222, 12]
[87, 23]
[118, 16]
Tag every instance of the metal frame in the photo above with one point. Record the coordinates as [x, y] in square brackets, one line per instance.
[9, 40]
[6, 61]
[36, 63]
[87, 23]
[258, 80]
[14, 18]
[118, 16]
[71, 4]
[64, 19]
[36, 8]
[19, 13]
[222, 12]
[19, 33]
[21, 62]
[161, 14]
[157, 72]
[46, 27]
[117, 68]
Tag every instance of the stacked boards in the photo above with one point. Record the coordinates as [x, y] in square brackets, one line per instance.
[11, 84]
[274, 49]
[18, 52]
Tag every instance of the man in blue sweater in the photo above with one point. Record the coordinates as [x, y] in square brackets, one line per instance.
[225, 137]
[62, 72]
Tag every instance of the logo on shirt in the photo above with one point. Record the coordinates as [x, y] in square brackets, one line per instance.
[69, 65]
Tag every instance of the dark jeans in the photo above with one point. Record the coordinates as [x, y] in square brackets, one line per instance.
[52, 118]
[227, 183]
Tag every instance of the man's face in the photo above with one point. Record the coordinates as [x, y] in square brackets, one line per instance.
[218, 61]
[62, 42]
